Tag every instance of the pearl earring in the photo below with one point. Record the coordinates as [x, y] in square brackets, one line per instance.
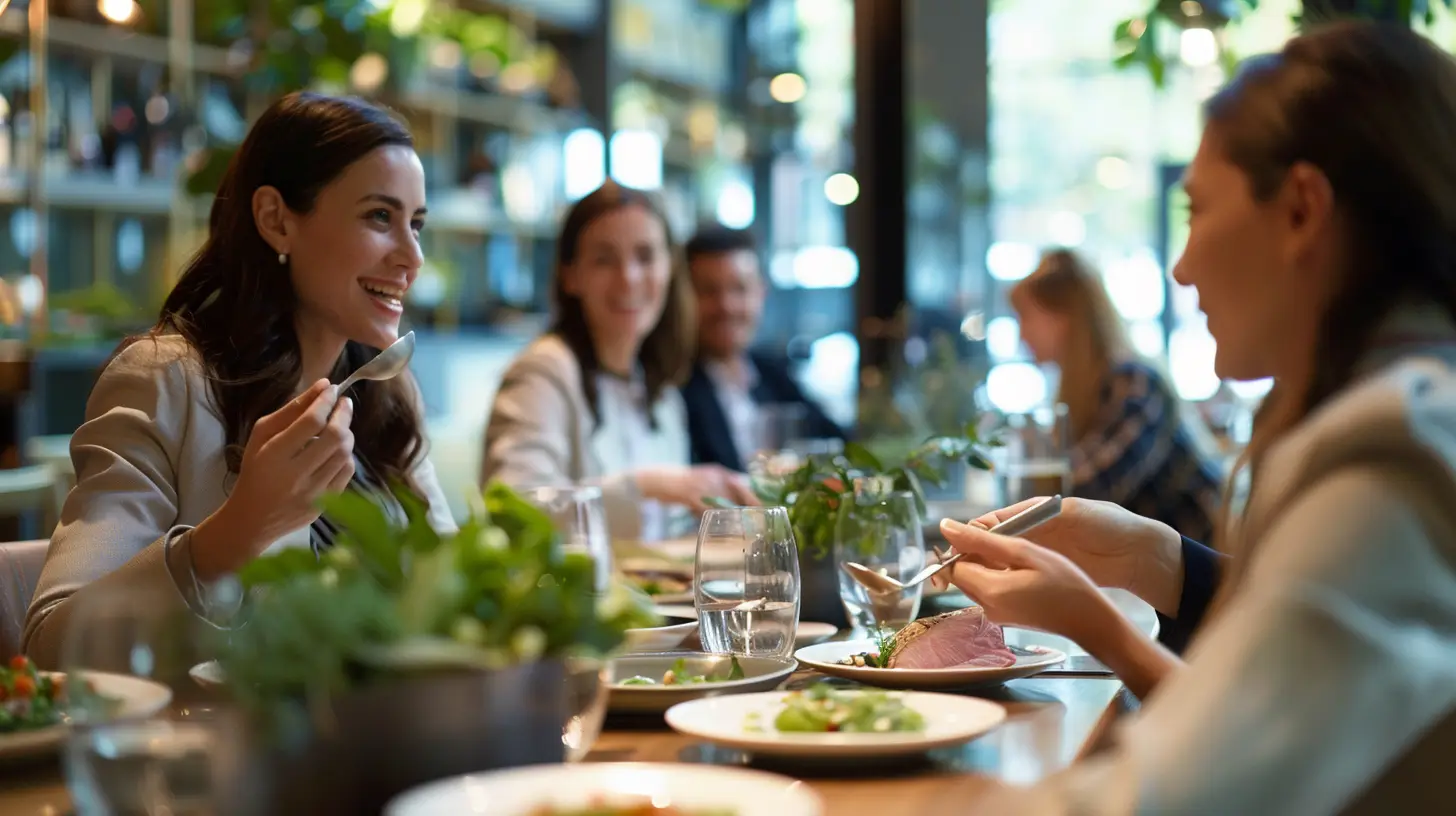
[283, 259]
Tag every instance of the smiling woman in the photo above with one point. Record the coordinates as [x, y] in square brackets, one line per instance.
[596, 399]
[209, 440]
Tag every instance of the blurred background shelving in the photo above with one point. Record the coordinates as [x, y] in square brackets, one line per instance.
[117, 118]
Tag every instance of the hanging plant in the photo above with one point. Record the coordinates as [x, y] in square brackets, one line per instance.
[1136, 40]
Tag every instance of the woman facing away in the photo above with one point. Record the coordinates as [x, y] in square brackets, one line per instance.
[209, 440]
[1132, 442]
[595, 399]
[1323, 247]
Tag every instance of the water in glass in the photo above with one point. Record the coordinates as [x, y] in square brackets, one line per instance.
[747, 587]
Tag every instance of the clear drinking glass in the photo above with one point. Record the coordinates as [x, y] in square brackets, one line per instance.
[586, 699]
[883, 533]
[747, 588]
[1036, 457]
[580, 517]
[146, 737]
[780, 426]
[578, 513]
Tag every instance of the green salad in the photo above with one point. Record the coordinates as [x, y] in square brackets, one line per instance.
[29, 699]
[679, 675]
[821, 709]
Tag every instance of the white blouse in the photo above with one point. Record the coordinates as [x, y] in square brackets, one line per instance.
[541, 430]
[627, 443]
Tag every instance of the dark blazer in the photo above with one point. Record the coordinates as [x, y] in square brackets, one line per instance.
[708, 428]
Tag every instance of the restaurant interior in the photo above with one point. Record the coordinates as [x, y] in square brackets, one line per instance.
[906, 177]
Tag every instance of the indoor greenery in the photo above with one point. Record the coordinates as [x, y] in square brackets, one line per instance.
[1137, 41]
[824, 489]
[395, 597]
[293, 44]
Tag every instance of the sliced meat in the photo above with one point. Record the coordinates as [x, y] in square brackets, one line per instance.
[960, 638]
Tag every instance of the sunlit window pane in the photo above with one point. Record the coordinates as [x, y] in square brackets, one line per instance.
[1016, 388]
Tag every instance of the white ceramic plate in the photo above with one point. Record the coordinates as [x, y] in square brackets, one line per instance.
[139, 698]
[810, 633]
[825, 658]
[949, 720]
[659, 638]
[691, 787]
[759, 674]
[637, 569]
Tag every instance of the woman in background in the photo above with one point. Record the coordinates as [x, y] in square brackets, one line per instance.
[210, 440]
[595, 399]
[1132, 442]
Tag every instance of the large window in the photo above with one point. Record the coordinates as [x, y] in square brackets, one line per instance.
[1081, 153]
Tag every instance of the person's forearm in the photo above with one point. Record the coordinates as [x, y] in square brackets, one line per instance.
[1139, 662]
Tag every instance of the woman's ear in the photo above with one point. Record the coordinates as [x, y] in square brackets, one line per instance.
[275, 222]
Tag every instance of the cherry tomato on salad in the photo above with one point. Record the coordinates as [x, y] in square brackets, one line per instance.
[20, 663]
[24, 686]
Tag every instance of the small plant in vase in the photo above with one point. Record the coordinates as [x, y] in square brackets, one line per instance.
[822, 491]
[401, 655]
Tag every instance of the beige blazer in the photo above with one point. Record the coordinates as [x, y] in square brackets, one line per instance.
[1328, 682]
[149, 464]
[541, 431]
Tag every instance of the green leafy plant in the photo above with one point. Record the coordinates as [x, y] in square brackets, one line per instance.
[824, 487]
[396, 597]
[1136, 39]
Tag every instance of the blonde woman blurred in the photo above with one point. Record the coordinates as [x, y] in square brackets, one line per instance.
[1133, 442]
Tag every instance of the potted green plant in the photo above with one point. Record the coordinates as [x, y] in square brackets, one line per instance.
[402, 656]
[820, 491]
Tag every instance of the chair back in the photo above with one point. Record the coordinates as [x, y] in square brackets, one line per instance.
[31, 489]
[20, 564]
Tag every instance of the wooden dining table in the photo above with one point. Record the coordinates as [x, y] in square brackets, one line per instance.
[1051, 721]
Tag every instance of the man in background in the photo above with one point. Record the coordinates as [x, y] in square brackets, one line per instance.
[734, 393]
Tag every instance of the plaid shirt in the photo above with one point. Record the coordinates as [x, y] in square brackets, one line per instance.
[1139, 454]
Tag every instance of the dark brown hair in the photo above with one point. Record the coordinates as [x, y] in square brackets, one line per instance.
[1372, 107]
[235, 303]
[716, 239]
[1065, 285]
[667, 351]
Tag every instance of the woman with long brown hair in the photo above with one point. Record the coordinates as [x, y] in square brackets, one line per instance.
[595, 399]
[1133, 442]
[1323, 247]
[210, 439]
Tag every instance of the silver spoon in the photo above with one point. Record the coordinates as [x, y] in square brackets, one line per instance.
[879, 583]
[386, 366]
